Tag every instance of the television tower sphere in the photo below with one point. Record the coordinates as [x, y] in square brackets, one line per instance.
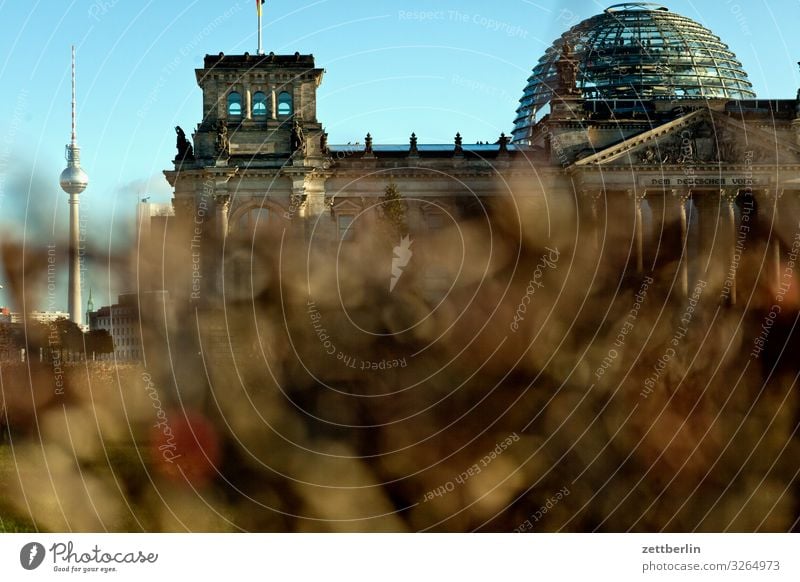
[74, 180]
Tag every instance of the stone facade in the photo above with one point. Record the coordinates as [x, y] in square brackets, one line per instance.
[261, 159]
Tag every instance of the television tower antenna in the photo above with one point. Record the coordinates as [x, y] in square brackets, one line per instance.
[74, 181]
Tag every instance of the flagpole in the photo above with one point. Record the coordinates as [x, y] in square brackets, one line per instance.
[260, 48]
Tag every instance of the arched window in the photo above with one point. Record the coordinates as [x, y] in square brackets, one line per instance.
[259, 105]
[285, 104]
[234, 104]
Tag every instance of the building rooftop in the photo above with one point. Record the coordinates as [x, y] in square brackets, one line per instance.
[223, 61]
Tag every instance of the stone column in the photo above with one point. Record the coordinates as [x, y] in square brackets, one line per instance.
[273, 98]
[223, 203]
[683, 196]
[775, 241]
[638, 198]
[590, 213]
[222, 100]
[596, 196]
[297, 101]
[776, 260]
[728, 199]
[222, 207]
[248, 103]
[301, 208]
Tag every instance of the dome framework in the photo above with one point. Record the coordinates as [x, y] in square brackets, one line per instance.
[636, 52]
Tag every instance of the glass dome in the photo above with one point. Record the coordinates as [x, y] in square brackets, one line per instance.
[636, 51]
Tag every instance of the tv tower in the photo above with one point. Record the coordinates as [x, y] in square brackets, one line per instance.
[74, 181]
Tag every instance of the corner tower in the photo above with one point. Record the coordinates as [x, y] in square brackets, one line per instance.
[259, 98]
[258, 158]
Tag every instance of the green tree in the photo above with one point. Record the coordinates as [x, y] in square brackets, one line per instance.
[99, 341]
[34, 337]
[394, 210]
[70, 337]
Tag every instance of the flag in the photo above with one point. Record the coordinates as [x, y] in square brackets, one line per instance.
[259, 4]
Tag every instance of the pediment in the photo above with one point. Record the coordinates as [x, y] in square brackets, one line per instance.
[701, 138]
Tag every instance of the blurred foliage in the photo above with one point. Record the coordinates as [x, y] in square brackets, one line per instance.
[99, 341]
[9, 525]
[62, 335]
[318, 401]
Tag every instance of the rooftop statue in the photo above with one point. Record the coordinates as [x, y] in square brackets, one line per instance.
[298, 139]
[185, 149]
[223, 144]
[567, 71]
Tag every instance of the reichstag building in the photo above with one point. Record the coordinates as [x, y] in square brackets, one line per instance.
[638, 126]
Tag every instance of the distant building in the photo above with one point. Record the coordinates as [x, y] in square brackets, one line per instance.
[151, 217]
[122, 320]
[152, 220]
[10, 336]
[39, 316]
[48, 316]
[9, 352]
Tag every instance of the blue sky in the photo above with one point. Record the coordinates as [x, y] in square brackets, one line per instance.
[393, 67]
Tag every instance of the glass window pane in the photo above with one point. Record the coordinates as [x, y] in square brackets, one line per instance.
[285, 104]
[234, 104]
[259, 105]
